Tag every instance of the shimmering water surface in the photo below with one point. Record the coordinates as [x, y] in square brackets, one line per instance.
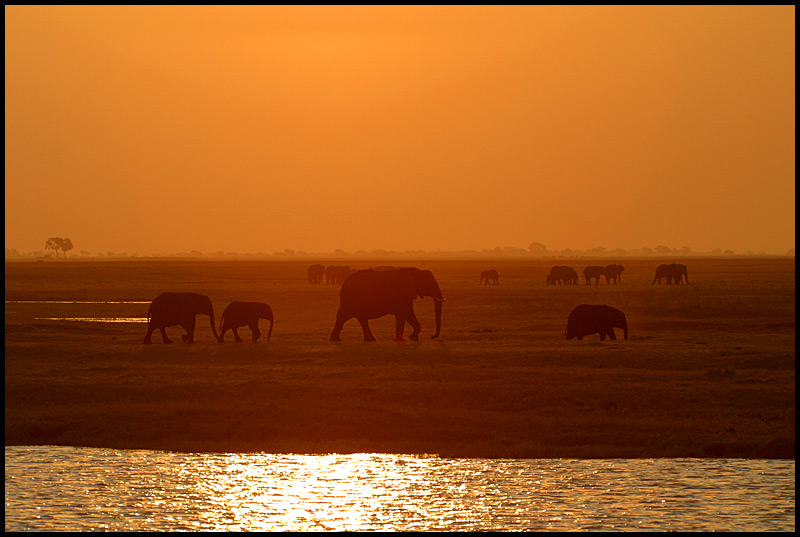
[111, 308]
[64, 488]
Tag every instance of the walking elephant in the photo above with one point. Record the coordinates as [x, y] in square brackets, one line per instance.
[239, 314]
[682, 272]
[593, 271]
[562, 275]
[336, 273]
[369, 294]
[589, 319]
[170, 309]
[613, 272]
[316, 273]
[488, 276]
[672, 272]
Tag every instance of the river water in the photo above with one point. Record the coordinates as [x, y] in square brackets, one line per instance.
[54, 488]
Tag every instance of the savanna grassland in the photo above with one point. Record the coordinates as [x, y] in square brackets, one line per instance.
[708, 369]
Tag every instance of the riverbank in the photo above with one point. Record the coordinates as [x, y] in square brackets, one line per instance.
[708, 370]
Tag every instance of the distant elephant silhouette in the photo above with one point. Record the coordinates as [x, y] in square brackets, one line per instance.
[562, 275]
[588, 319]
[337, 273]
[613, 272]
[316, 273]
[170, 309]
[239, 314]
[488, 276]
[369, 294]
[593, 271]
[682, 272]
[672, 272]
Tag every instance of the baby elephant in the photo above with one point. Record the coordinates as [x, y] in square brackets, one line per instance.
[245, 313]
[588, 319]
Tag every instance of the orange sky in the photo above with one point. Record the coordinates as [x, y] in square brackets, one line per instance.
[255, 129]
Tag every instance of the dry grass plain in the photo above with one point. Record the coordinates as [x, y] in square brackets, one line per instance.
[708, 371]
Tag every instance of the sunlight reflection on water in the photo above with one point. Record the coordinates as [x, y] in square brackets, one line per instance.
[95, 319]
[65, 488]
[109, 307]
[76, 302]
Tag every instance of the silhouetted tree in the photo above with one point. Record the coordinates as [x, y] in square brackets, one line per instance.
[537, 248]
[53, 243]
[66, 245]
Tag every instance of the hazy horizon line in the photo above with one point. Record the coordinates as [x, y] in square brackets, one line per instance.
[495, 253]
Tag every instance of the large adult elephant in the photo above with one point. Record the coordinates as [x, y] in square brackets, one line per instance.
[170, 309]
[613, 272]
[672, 272]
[563, 275]
[316, 273]
[490, 276]
[589, 319]
[369, 294]
[593, 271]
[245, 313]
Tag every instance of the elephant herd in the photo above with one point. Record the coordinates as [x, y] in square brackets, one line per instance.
[375, 292]
[333, 274]
[562, 275]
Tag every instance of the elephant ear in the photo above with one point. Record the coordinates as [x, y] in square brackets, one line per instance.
[426, 283]
[409, 283]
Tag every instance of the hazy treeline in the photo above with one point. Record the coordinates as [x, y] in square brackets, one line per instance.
[534, 250]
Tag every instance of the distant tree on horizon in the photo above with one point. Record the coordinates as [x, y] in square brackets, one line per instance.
[57, 243]
[537, 248]
[66, 245]
[53, 243]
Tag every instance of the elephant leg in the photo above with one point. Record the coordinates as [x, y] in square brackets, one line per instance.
[412, 320]
[256, 331]
[188, 325]
[611, 333]
[365, 327]
[399, 326]
[222, 334]
[236, 335]
[580, 338]
[341, 318]
[164, 335]
[150, 329]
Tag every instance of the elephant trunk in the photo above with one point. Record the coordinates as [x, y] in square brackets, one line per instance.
[625, 327]
[271, 320]
[213, 327]
[437, 310]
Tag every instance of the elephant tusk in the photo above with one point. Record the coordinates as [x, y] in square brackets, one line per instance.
[439, 299]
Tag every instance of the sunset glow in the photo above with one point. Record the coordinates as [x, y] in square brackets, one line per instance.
[164, 129]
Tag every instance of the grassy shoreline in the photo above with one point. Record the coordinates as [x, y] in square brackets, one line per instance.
[708, 370]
